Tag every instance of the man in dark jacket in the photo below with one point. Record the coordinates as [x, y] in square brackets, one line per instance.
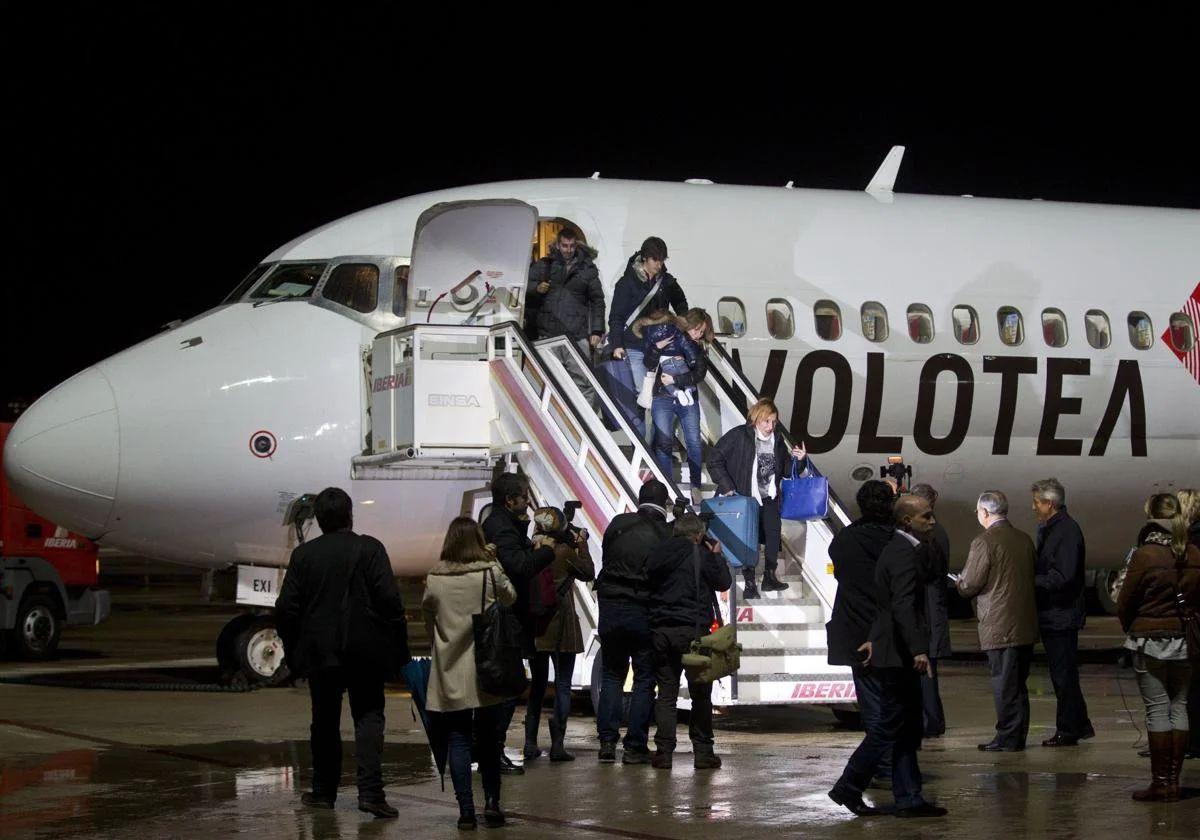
[644, 270]
[854, 552]
[1059, 582]
[683, 572]
[937, 612]
[623, 593]
[896, 651]
[342, 625]
[507, 528]
[565, 292]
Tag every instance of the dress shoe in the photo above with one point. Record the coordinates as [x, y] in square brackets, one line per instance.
[994, 747]
[493, 817]
[662, 760]
[379, 808]
[508, 768]
[706, 761]
[1059, 740]
[466, 818]
[853, 804]
[531, 751]
[607, 754]
[922, 810]
[629, 756]
[312, 800]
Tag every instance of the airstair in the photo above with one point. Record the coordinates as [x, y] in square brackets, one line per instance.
[470, 399]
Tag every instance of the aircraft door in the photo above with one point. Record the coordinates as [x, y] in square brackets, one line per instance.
[470, 260]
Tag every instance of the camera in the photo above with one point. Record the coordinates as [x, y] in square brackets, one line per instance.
[898, 471]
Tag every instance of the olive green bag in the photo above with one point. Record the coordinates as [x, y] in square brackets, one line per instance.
[717, 654]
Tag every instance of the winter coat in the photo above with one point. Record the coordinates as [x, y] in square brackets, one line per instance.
[999, 575]
[731, 461]
[1060, 568]
[628, 541]
[681, 345]
[674, 598]
[309, 614]
[1146, 605]
[520, 561]
[937, 609]
[452, 596]
[563, 634]
[633, 286]
[854, 551]
[899, 632]
[574, 304]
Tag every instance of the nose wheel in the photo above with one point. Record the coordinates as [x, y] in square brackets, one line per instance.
[249, 649]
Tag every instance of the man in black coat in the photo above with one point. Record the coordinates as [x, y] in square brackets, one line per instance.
[565, 294]
[937, 613]
[854, 552]
[507, 528]
[1059, 586]
[623, 596]
[342, 624]
[683, 573]
[896, 651]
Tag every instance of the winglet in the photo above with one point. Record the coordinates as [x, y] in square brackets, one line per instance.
[596, 175]
[885, 177]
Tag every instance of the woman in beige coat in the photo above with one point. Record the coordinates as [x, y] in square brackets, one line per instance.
[467, 576]
[561, 639]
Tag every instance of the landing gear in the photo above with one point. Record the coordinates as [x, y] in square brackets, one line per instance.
[249, 651]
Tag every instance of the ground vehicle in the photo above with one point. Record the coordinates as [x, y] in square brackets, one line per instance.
[48, 578]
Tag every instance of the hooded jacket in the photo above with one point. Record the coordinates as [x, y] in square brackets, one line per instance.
[854, 552]
[633, 286]
[574, 304]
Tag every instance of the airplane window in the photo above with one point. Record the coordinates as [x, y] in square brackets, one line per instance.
[1054, 327]
[780, 323]
[251, 278]
[290, 280]
[355, 285]
[400, 292]
[828, 317]
[966, 324]
[731, 317]
[1183, 332]
[1141, 331]
[874, 321]
[920, 323]
[1012, 328]
[1099, 334]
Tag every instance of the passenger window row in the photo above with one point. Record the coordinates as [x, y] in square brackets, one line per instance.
[965, 324]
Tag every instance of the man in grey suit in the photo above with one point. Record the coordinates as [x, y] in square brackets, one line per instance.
[999, 575]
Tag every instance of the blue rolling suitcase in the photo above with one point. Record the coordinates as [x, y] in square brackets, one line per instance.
[735, 524]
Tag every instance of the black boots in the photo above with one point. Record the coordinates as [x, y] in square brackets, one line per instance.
[750, 590]
[493, 817]
[531, 750]
[772, 583]
[703, 758]
[557, 732]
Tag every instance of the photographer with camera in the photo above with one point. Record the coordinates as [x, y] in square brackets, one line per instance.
[684, 573]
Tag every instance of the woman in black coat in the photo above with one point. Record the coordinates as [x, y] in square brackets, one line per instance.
[752, 460]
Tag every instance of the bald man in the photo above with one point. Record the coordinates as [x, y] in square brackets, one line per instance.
[896, 655]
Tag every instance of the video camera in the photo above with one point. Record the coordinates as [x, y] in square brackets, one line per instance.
[556, 524]
[898, 471]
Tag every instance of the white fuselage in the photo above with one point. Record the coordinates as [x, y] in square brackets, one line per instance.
[151, 449]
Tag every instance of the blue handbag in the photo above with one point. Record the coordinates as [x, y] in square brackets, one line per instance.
[804, 497]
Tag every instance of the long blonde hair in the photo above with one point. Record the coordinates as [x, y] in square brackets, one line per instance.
[464, 542]
[1189, 505]
[1167, 506]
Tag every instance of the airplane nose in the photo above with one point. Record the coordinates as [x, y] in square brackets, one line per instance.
[61, 457]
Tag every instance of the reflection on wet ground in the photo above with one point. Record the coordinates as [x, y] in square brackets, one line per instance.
[79, 763]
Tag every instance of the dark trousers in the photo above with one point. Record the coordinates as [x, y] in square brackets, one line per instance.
[770, 532]
[539, 668]
[897, 733]
[934, 714]
[624, 638]
[472, 732]
[867, 690]
[1062, 655]
[1194, 711]
[670, 644]
[326, 687]
[1010, 672]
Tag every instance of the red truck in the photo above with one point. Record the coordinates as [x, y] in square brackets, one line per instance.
[48, 577]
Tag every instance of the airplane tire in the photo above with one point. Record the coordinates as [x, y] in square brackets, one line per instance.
[227, 658]
[259, 651]
[1108, 584]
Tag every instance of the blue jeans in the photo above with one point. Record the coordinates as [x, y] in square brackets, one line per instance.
[470, 730]
[897, 732]
[624, 637]
[539, 667]
[675, 366]
[867, 691]
[664, 411]
[637, 367]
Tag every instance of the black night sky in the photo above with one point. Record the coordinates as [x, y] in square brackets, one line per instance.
[153, 158]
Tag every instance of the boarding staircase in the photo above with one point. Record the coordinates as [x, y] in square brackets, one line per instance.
[471, 400]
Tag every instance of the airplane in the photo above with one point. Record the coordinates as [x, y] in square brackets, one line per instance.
[987, 342]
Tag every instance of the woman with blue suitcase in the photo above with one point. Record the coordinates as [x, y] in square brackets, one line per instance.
[752, 460]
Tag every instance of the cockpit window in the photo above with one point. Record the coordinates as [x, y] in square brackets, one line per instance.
[355, 285]
[290, 280]
[251, 278]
